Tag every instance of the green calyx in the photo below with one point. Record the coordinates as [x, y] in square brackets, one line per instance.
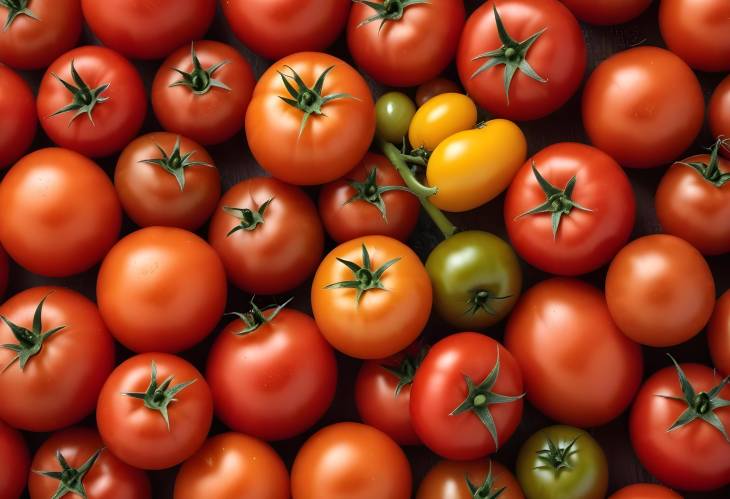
[481, 396]
[370, 192]
[158, 397]
[365, 277]
[249, 219]
[406, 370]
[555, 457]
[30, 341]
[175, 162]
[700, 405]
[481, 301]
[484, 491]
[255, 318]
[16, 8]
[389, 10]
[70, 479]
[84, 99]
[711, 171]
[512, 54]
[200, 80]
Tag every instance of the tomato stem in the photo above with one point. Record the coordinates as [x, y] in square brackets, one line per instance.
[70, 480]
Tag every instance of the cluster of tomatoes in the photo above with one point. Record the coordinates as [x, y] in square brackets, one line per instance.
[571, 350]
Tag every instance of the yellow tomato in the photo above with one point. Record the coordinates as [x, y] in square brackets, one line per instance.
[441, 117]
[472, 167]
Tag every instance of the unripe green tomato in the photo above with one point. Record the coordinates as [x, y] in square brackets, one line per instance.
[393, 114]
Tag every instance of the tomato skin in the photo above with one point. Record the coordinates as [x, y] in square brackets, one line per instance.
[393, 114]
[340, 461]
[232, 464]
[580, 379]
[645, 491]
[348, 220]
[585, 240]
[83, 352]
[18, 127]
[693, 457]
[441, 117]
[447, 480]
[718, 334]
[161, 289]
[398, 55]
[290, 240]
[607, 12]
[14, 462]
[631, 113]
[432, 88]
[718, 112]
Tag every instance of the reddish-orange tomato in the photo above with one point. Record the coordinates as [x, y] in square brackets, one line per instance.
[718, 112]
[718, 334]
[469, 479]
[645, 491]
[435, 87]
[607, 12]
[15, 462]
[19, 123]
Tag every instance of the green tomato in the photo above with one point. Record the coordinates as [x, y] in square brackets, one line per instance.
[476, 279]
[393, 114]
[562, 462]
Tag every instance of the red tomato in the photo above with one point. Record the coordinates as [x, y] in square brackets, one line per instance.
[38, 31]
[60, 366]
[645, 491]
[101, 105]
[561, 217]
[386, 38]
[631, 113]
[578, 367]
[142, 30]
[543, 48]
[208, 100]
[435, 87]
[370, 200]
[271, 373]
[460, 480]
[267, 234]
[718, 334]
[19, 123]
[466, 399]
[154, 411]
[161, 289]
[313, 130]
[678, 446]
[718, 112]
[350, 461]
[166, 179]
[14, 462]
[232, 464]
[89, 470]
[607, 12]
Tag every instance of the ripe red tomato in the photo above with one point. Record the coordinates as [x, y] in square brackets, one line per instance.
[631, 113]
[154, 411]
[718, 334]
[386, 38]
[60, 365]
[369, 200]
[718, 112]
[101, 105]
[466, 399]
[86, 469]
[271, 373]
[267, 234]
[203, 91]
[35, 32]
[141, 30]
[166, 179]
[232, 464]
[561, 217]
[14, 462]
[542, 48]
[573, 377]
[19, 123]
[311, 119]
[463, 479]
[607, 12]
[161, 289]
[678, 427]
[645, 491]
[350, 461]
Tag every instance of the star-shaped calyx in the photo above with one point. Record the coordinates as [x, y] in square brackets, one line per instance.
[16, 8]
[388, 10]
[175, 162]
[83, 98]
[70, 480]
[370, 192]
[200, 80]
[365, 277]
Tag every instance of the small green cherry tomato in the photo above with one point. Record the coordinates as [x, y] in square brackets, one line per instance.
[393, 114]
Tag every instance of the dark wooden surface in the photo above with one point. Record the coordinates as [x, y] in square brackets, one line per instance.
[236, 163]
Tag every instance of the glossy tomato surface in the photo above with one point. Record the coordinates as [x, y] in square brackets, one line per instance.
[645, 491]
[450, 480]
[607, 12]
[19, 123]
[718, 334]
[718, 112]
[15, 462]
[440, 117]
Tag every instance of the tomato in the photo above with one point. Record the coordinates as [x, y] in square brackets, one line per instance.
[91, 100]
[19, 123]
[472, 167]
[203, 91]
[573, 377]
[469, 479]
[569, 210]
[476, 279]
[267, 234]
[311, 119]
[562, 462]
[645, 491]
[718, 111]
[52, 376]
[466, 398]
[718, 333]
[370, 200]
[73, 462]
[232, 464]
[271, 373]
[277, 28]
[440, 117]
[660, 291]
[161, 289]
[140, 30]
[386, 38]
[697, 31]
[541, 46]
[678, 427]
[14, 462]
[350, 461]
[435, 87]
[607, 12]
[631, 113]
[371, 297]
[35, 32]
[393, 114]
[166, 179]
[154, 411]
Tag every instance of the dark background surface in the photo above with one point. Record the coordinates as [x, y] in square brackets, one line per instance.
[235, 162]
